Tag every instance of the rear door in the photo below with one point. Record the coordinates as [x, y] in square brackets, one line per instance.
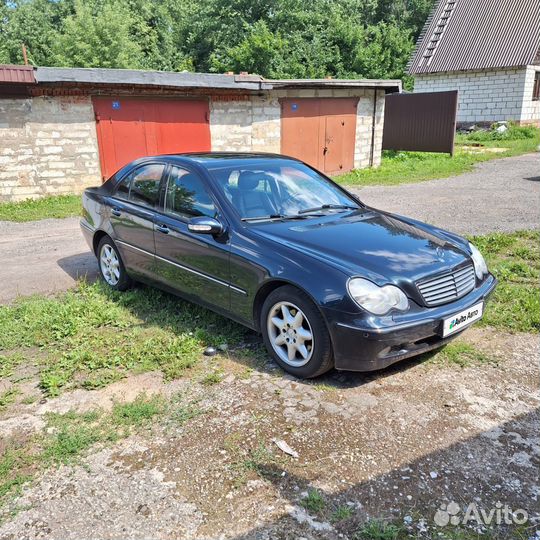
[132, 215]
[197, 265]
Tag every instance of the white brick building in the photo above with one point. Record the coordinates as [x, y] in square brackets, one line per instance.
[64, 129]
[487, 50]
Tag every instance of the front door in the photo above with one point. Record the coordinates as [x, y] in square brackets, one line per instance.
[132, 209]
[195, 264]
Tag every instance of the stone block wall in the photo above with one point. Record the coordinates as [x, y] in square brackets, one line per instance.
[254, 124]
[486, 96]
[48, 146]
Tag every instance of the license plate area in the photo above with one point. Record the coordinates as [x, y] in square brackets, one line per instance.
[461, 320]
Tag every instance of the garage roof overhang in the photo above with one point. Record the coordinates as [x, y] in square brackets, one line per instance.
[390, 85]
[88, 80]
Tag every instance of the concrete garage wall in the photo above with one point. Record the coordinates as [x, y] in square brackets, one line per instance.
[48, 146]
[255, 123]
[484, 96]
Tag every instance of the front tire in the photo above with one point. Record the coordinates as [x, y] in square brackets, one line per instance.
[295, 333]
[111, 267]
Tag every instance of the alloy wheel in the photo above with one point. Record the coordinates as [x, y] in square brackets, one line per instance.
[290, 334]
[110, 264]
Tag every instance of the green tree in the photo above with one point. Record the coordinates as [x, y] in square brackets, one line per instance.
[96, 35]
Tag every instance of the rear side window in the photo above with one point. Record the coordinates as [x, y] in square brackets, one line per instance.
[141, 186]
[186, 195]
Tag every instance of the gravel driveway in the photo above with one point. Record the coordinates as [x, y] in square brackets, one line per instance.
[500, 195]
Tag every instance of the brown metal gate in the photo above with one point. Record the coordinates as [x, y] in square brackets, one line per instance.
[320, 131]
[424, 122]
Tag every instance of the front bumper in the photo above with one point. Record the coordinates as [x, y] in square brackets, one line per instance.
[362, 344]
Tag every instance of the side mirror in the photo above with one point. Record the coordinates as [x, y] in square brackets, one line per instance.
[205, 225]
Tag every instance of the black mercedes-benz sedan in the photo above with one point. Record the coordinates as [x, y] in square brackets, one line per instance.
[277, 246]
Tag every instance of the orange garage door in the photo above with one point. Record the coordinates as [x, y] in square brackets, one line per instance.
[320, 131]
[128, 129]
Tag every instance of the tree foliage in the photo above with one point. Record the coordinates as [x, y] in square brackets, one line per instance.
[275, 38]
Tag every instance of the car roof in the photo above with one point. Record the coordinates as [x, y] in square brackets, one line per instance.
[216, 159]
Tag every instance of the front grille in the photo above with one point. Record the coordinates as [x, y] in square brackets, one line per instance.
[447, 287]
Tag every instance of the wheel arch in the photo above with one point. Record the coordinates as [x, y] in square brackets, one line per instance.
[98, 235]
[268, 287]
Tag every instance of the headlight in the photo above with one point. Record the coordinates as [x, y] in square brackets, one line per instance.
[480, 266]
[377, 300]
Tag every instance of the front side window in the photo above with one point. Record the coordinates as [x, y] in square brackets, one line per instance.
[141, 186]
[536, 87]
[186, 195]
[279, 188]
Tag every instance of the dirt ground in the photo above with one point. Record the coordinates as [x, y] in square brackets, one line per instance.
[396, 444]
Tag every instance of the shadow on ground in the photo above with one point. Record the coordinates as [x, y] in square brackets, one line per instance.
[80, 266]
[496, 468]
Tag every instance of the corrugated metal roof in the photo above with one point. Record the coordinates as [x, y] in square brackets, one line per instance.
[17, 74]
[463, 35]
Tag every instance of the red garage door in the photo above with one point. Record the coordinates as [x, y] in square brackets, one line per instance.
[320, 131]
[128, 129]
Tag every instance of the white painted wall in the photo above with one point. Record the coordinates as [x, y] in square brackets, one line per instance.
[487, 96]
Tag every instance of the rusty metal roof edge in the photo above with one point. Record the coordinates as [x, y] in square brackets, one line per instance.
[17, 74]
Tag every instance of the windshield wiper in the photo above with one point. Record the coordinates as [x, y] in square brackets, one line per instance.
[274, 216]
[329, 207]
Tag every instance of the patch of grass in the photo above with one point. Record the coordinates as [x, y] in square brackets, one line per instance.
[461, 354]
[92, 336]
[28, 400]
[182, 413]
[211, 378]
[8, 363]
[408, 167]
[341, 513]
[8, 397]
[514, 259]
[514, 132]
[12, 476]
[58, 206]
[379, 530]
[69, 436]
[138, 412]
[314, 502]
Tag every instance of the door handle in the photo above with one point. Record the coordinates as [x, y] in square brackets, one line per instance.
[116, 211]
[163, 229]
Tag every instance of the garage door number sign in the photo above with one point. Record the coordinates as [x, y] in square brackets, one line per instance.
[115, 105]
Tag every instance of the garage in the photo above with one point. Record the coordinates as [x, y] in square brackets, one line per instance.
[129, 128]
[64, 129]
[320, 131]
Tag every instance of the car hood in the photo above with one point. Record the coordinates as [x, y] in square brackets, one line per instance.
[382, 247]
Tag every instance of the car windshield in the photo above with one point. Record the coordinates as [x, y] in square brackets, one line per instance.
[278, 189]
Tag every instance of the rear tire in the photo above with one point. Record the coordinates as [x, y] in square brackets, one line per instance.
[111, 266]
[295, 333]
